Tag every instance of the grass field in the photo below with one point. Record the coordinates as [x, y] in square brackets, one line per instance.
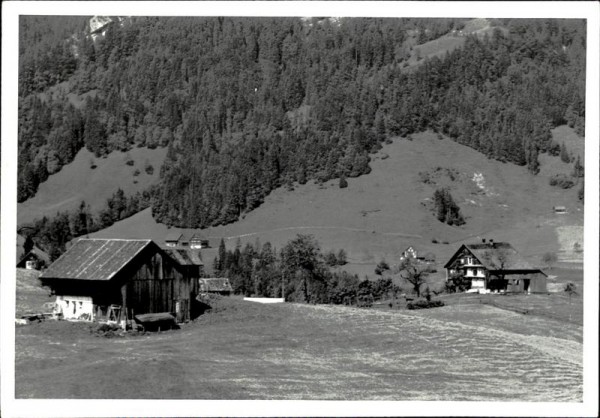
[289, 351]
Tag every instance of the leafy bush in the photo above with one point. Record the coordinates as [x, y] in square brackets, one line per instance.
[136, 172]
[343, 182]
[424, 304]
[554, 149]
[342, 258]
[381, 267]
[149, 169]
[562, 181]
[331, 259]
[457, 283]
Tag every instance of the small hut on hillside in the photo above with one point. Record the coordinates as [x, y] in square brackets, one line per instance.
[173, 238]
[35, 259]
[102, 279]
[197, 241]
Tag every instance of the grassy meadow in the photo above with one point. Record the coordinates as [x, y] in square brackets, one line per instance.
[77, 181]
[242, 350]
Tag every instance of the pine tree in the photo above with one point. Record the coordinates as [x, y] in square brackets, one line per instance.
[578, 170]
[564, 154]
[27, 245]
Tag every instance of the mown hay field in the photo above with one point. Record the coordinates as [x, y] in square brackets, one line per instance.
[290, 351]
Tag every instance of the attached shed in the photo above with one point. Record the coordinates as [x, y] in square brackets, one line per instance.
[220, 286]
[99, 278]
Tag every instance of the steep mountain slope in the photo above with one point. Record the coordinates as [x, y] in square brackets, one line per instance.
[378, 215]
[218, 92]
[78, 181]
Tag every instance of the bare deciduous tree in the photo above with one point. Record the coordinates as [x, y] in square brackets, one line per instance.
[413, 274]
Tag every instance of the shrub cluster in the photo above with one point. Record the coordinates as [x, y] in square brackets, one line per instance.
[424, 304]
[562, 181]
[446, 209]
[457, 283]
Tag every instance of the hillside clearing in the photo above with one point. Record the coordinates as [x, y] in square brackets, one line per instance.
[249, 351]
[77, 181]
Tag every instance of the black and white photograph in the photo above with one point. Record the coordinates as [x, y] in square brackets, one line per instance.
[291, 208]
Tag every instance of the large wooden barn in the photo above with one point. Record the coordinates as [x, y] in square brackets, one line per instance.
[496, 266]
[101, 279]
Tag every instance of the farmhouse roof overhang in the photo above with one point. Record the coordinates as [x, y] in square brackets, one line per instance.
[95, 259]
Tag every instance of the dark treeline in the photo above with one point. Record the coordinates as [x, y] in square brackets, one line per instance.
[53, 233]
[300, 270]
[248, 104]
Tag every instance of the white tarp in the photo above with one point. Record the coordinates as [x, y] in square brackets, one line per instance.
[266, 300]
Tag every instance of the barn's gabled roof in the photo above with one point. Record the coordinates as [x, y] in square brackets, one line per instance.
[495, 256]
[184, 256]
[215, 285]
[95, 259]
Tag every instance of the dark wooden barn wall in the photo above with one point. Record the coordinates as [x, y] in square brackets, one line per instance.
[157, 284]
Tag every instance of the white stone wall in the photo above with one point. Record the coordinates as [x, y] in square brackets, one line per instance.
[76, 307]
[477, 283]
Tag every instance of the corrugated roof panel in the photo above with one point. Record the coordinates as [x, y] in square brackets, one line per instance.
[95, 259]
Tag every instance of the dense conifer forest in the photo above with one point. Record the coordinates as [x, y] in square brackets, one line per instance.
[245, 105]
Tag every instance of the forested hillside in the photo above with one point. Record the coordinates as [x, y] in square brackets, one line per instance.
[245, 105]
